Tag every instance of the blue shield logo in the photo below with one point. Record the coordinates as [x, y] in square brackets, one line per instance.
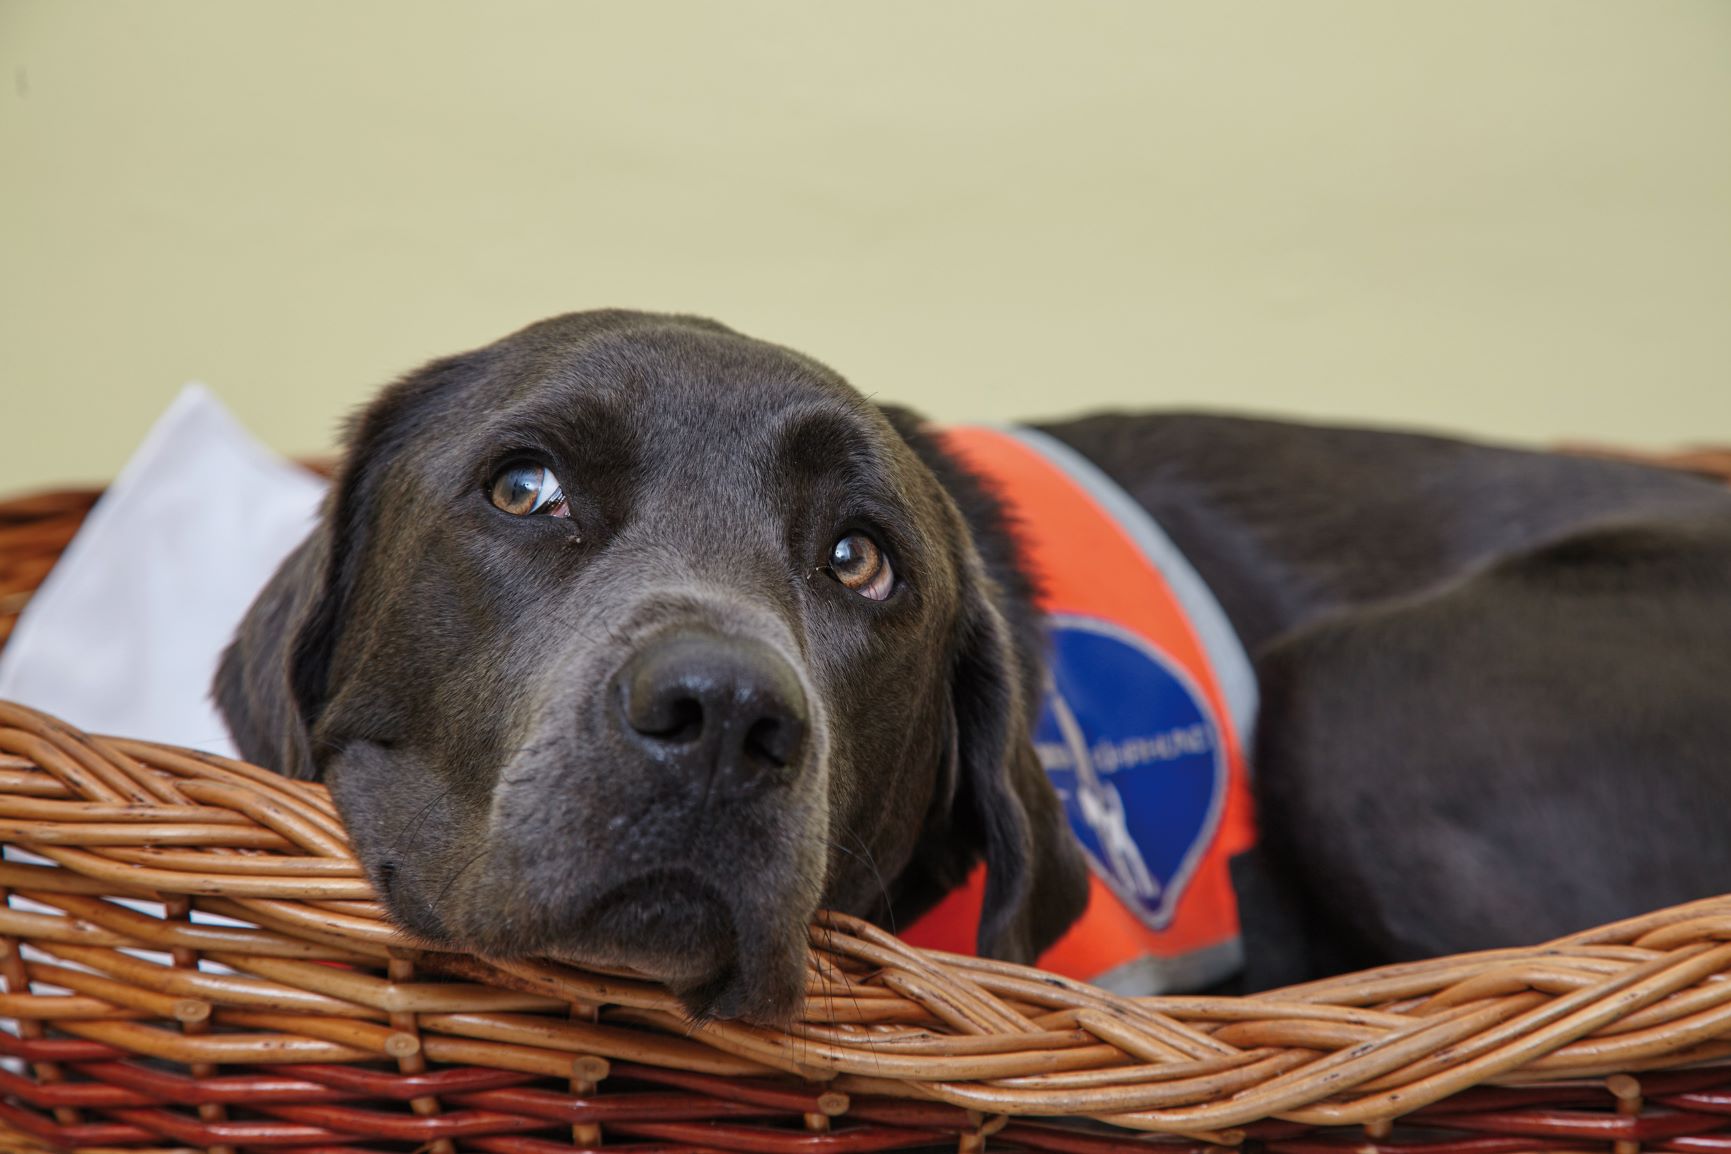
[1135, 752]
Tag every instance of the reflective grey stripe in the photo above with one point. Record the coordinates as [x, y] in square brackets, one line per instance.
[1184, 974]
[1226, 655]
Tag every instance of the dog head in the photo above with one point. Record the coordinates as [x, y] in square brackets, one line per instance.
[629, 640]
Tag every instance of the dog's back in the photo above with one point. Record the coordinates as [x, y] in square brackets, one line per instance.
[1288, 522]
[1496, 684]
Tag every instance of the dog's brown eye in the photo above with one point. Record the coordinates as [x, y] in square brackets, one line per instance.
[857, 562]
[523, 488]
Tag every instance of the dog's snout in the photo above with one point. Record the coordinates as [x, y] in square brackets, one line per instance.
[714, 705]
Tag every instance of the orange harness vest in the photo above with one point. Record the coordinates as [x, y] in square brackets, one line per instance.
[1148, 710]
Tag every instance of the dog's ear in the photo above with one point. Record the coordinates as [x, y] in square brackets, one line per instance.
[993, 798]
[1036, 878]
[253, 680]
[274, 678]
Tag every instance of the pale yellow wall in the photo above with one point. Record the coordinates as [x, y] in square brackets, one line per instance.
[1508, 216]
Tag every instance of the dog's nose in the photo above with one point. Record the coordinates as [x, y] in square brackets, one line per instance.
[714, 705]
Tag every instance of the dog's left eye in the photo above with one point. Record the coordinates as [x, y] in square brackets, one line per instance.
[859, 563]
[524, 488]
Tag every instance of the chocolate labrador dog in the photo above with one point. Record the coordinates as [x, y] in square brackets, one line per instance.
[631, 640]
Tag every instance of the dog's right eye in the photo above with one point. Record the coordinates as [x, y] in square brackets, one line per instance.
[524, 489]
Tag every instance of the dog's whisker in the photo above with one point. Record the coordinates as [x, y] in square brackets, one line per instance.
[610, 632]
[889, 912]
[871, 864]
[454, 878]
[838, 976]
[414, 824]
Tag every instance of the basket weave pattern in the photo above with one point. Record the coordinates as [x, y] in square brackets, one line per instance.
[192, 959]
[33, 531]
[208, 914]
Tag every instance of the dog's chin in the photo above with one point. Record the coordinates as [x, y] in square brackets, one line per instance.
[663, 926]
[675, 929]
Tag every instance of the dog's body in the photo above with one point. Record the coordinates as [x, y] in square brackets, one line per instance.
[1496, 685]
[659, 725]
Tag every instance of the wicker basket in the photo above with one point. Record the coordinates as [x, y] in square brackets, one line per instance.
[193, 960]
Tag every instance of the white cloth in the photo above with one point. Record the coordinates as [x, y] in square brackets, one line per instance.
[124, 635]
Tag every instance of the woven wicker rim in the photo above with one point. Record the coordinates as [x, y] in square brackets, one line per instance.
[119, 818]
